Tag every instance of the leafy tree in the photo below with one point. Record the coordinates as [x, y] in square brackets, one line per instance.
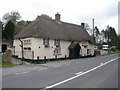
[13, 16]
[116, 42]
[96, 33]
[8, 32]
[28, 22]
[110, 34]
[21, 25]
[1, 28]
[99, 45]
[44, 16]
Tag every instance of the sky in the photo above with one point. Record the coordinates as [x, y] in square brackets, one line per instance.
[104, 12]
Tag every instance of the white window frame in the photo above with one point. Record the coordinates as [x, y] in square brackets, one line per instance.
[85, 43]
[80, 51]
[45, 41]
[27, 42]
[88, 51]
[56, 42]
[57, 51]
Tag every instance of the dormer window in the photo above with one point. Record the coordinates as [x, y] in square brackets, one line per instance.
[45, 41]
[57, 42]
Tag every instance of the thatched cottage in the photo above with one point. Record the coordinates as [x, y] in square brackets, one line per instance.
[53, 38]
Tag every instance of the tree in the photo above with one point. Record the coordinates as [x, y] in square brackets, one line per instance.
[28, 22]
[88, 29]
[116, 42]
[44, 16]
[1, 28]
[21, 25]
[96, 33]
[110, 34]
[8, 32]
[13, 16]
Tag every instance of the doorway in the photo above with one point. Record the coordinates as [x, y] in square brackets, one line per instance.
[4, 47]
[74, 50]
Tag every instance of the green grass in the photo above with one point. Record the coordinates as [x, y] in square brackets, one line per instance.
[42, 62]
[6, 64]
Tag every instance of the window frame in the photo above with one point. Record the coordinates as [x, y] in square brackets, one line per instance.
[57, 51]
[85, 43]
[88, 51]
[45, 41]
[57, 42]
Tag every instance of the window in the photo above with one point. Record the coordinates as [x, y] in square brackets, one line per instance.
[85, 43]
[27, 48]
[57, 51]
[27, 42]
[88, 51]
[45, 41]
[80, 51]
[57, 42]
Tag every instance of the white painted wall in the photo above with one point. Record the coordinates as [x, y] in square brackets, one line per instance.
[49, 51]
[41, 51]
[84, 49]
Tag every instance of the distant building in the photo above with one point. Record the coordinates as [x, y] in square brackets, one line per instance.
[105, 47]
[53, 38]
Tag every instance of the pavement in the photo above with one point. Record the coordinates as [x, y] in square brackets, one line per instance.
[94, 72]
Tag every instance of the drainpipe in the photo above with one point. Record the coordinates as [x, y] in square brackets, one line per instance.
[22, 49]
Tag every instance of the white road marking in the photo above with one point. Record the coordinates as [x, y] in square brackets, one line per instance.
[42, 69]
[78, 75]
[101, 63]
[22, 73]
[17, 73]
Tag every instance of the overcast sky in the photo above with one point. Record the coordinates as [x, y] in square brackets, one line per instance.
[105, 12]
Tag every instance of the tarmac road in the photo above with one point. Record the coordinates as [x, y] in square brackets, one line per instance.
[94, 72]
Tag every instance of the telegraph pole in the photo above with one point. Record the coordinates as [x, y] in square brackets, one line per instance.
[93, 30]
[22, 49]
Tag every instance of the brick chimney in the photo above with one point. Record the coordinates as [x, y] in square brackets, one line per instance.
[83, 25]
[57, 17]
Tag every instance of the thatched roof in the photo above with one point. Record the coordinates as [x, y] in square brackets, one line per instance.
[73, 45]
[52, 29]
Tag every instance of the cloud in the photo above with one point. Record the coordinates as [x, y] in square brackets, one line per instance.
[72, 11]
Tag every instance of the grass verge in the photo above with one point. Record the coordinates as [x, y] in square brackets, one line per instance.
[6, 64]
[115, 52]
[42, 62]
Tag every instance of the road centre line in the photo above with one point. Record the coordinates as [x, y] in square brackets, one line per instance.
[42, 69]
[80, 74]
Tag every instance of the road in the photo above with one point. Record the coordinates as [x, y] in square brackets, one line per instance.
[94, 72]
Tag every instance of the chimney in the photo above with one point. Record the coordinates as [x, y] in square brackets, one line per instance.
[83, 25]
[57, 17]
